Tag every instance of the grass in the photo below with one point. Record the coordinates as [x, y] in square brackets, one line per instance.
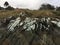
[35, 13]
[25, 37]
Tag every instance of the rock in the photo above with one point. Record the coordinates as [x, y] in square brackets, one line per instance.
[29, 24]
[14, 24]
[58, 24]
[21, 23]
[55, 22]
[30, 31]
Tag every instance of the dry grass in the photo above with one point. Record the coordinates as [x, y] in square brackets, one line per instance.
[35, 13]
[26, 36]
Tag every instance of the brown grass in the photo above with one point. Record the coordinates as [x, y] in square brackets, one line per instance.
[35, 13]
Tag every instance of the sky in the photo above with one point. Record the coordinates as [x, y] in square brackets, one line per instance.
[29, 4]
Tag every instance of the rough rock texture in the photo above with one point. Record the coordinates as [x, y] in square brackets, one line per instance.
[25, 30]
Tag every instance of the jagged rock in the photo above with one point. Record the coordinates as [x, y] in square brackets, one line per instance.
[56, 23]
[30, 23]
[21, 23]
[14, 24]
[30, 31]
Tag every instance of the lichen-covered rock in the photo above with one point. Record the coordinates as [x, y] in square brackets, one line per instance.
[24, 30]
[12, 25]
[29, 24]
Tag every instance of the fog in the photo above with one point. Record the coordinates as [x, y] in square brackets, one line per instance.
[29, 4]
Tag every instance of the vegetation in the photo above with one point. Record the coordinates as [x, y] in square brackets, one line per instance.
[7, 7]
[28, 38]
[58, 9]
[47, 7]
[6, 4]
[43, 7]
[1, 8]
[34, 13]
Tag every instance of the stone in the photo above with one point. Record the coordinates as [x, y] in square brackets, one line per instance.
[14, 24]
[58, 24]
[29, 24]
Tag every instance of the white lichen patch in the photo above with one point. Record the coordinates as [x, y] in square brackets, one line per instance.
[14, 24]
[58, 24]
[29, 24]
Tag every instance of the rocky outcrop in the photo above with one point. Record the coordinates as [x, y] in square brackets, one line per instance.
[30, 23]
[25, 30]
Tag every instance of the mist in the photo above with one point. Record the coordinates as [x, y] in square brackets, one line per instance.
[29, 4]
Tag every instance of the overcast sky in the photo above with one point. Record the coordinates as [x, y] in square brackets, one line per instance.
[30, 4]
